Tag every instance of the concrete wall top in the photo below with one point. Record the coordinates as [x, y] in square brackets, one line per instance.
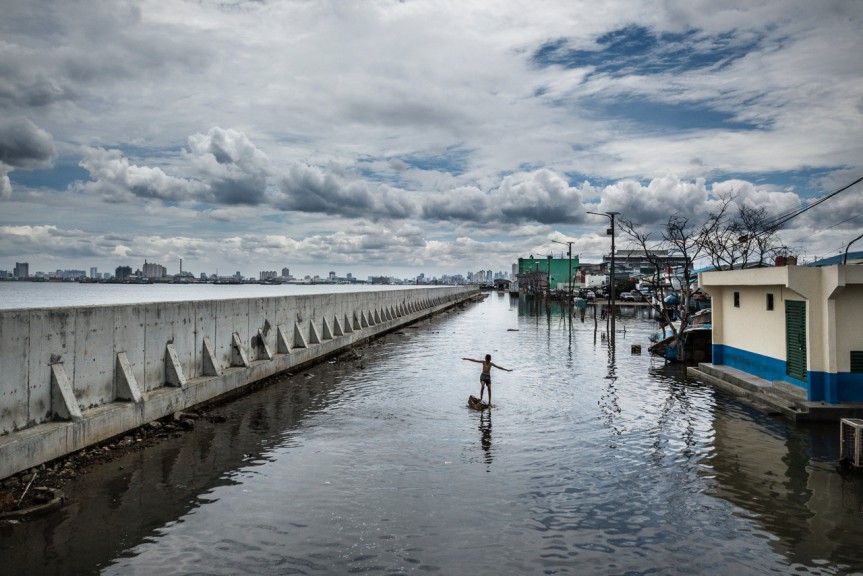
[164, 343]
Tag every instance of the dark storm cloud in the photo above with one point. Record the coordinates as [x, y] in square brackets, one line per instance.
[310, 189]
[25, 145]
[29, 92]
[22, 145]
[63, 51]
[245, 189]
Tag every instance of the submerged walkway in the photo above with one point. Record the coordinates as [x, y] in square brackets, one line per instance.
[773, 397]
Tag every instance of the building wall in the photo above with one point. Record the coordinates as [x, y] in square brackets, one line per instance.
[560, 268]
[753, 339]
[752, 326]
[849, 326]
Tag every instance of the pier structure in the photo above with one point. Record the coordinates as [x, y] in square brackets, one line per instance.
[75, 376]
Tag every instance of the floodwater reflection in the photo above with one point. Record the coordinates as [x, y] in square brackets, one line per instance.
[602, 461]
[485, 435]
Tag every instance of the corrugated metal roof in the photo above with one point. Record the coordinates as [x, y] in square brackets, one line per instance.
[853, 258]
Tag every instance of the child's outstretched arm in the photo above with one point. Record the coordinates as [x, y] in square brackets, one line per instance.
[472, 360]
[501, 367]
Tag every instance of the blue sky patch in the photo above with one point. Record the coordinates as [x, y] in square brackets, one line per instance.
[806, 183]
[65, 171]
[673, 117]
[576, 179]
[640, 51]
[454, 161]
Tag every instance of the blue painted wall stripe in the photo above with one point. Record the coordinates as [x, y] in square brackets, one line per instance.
[820, 386]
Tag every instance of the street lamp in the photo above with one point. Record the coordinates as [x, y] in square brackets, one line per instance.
[845, 260]
[569, 255]
[610, 216]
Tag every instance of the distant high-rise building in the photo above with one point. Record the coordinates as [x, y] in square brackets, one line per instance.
[153, 270]
[22, 270]
[267, 275]
[286, 273]
[332, 276]
[94, 272]
[122, 272]
[69, 274]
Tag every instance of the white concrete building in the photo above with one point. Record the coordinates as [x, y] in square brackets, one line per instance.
[798, 324]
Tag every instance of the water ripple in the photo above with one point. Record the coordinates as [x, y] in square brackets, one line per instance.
[594, 461]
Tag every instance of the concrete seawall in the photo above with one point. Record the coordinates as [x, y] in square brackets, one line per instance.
[72, 377]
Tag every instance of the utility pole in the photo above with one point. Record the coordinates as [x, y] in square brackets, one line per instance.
[611, 295]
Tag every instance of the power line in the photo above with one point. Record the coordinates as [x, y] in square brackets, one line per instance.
[841, 222]
[782, 218]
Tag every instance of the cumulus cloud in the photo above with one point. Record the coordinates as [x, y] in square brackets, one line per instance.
[774, 202]
[541, 196]
[228, 170]
[117, 180]
[464, 203]
[306, 188]
[60, 243]
[5, 184]
[654, 202]
[235, 169]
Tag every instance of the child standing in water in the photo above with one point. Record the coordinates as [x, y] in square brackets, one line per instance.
[485, 376]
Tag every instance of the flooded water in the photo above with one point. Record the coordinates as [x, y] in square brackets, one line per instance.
[595, 460]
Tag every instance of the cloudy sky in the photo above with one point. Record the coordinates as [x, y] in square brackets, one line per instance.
[394, 138]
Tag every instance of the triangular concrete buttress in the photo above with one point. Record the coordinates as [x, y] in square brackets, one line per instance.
[173, 369]
[282, 346]
[125, 383]
[238, 353]
[64, 405]
[211, 364]
[299, 337]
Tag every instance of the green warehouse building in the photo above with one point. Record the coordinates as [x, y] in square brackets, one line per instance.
[537, 274]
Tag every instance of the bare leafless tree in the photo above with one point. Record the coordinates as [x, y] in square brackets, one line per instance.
[732, 236]
[738, 236]
[678, 238]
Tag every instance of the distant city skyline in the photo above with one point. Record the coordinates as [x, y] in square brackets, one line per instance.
[400, 138]
[91, 270]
